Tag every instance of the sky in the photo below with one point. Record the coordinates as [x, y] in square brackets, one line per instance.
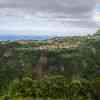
[49, 17]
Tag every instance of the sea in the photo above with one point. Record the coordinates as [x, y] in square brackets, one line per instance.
[22, 37]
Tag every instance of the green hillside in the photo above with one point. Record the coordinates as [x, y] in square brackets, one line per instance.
[66, 68]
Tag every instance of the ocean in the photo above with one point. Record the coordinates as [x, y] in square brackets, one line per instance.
[22, 37]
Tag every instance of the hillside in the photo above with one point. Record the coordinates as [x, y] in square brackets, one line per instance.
[75, 58]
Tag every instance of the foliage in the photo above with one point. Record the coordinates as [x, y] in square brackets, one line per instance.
[70, 73]
[55, 87]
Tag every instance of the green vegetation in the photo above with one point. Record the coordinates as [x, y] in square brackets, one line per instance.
[28, 72]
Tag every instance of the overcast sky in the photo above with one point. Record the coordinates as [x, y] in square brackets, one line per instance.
[49, 17]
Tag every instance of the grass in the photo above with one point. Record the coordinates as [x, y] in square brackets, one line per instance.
[29, 98]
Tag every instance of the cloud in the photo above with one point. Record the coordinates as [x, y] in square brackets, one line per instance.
[49, 15]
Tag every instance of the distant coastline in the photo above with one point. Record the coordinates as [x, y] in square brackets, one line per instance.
[22, 37]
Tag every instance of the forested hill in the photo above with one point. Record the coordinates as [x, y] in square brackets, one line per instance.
[72, 57]
[62, 54]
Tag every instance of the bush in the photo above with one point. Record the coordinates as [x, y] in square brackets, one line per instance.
[56, 87]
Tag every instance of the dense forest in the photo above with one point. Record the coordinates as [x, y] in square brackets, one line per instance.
[61, 68]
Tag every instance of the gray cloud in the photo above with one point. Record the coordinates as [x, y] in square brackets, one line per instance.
[78, 13]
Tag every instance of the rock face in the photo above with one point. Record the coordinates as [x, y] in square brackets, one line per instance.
[41, 67]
